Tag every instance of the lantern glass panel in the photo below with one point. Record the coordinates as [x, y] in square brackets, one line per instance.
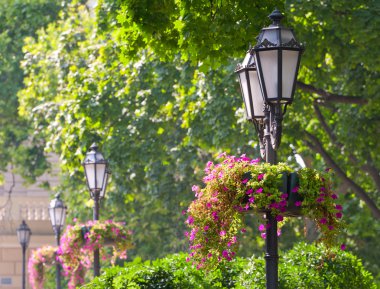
[269, 67]
[257, 97]
[245, 92]
[90, 175]
[57, 216]
[23, 236]
[100, 175]
[104, 187]
[289, 69]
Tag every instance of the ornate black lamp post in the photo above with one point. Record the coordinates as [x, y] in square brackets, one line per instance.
[267, 79]
[57, 212]
[97, 173]
[23, 235]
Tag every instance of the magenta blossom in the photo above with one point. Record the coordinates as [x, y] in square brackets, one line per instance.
[298, 203]
[323, 221]
[295, 189]
[249, 191]
[259, 190]
[279, 218]
[244, 181]
[190, 220]
[260, 177]
[261, 228]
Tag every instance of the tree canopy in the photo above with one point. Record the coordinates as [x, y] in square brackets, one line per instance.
[153, 83]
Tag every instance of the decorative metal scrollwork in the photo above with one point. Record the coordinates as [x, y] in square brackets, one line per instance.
[276, 129]
[265, 44]
[292, 44]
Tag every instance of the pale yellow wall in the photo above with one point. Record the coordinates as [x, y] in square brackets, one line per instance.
[27, 203]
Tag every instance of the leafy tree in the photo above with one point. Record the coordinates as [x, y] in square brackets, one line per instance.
[18, 146]
[153, 82]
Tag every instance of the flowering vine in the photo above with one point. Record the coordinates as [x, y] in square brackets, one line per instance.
[239, 184]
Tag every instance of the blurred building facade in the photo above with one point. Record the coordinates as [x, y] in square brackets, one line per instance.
[30, 203]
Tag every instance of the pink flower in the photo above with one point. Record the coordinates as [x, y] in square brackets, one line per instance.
[251, 199]
[320, 200]
[249, 191]
[190, 220]
[208, 205]
[334, 196]
[339, 215]
[261, 228]
[339, 207]
[331, 228]
[323, 221]
[220, 175]
[284, 196]
[259, 190]
[222, 233]
[206, 228]
[263, 235]
[295, 189]
[343, 247]
[209, 255]
[195, 188]
[222, 155]
[183, 212]
[215, 215]
[225, 189]
[243, 230]
[322, 189]
[278, 232]
[260, 177]
[298, 203]
[244, 181]
[279, 218]
[255, 161]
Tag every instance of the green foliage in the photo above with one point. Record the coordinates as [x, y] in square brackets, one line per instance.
[302, 267]
[139, 79]
[18, 145]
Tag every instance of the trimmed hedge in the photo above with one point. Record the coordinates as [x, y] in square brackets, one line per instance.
[302, 267]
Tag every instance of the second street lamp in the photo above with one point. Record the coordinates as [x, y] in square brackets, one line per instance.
[57, 212]
[267, 79]
[23, 235]
[97, 173]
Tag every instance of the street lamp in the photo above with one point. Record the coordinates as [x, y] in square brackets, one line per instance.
[267, 79]
[23, 235]
[97, 173]
[57, 212]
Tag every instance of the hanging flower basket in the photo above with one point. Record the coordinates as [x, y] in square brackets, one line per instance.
[238, 185]
[288, 187]
[38, 261]
[79, 242]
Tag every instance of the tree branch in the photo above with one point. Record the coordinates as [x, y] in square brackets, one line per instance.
[315, 145]
[367, 167]
[331, 97]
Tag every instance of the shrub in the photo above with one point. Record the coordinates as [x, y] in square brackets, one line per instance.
[305, 266]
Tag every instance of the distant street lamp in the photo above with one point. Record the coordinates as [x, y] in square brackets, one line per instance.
[267, 79]
[97, 173]
[23, 235]
[57, 212]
